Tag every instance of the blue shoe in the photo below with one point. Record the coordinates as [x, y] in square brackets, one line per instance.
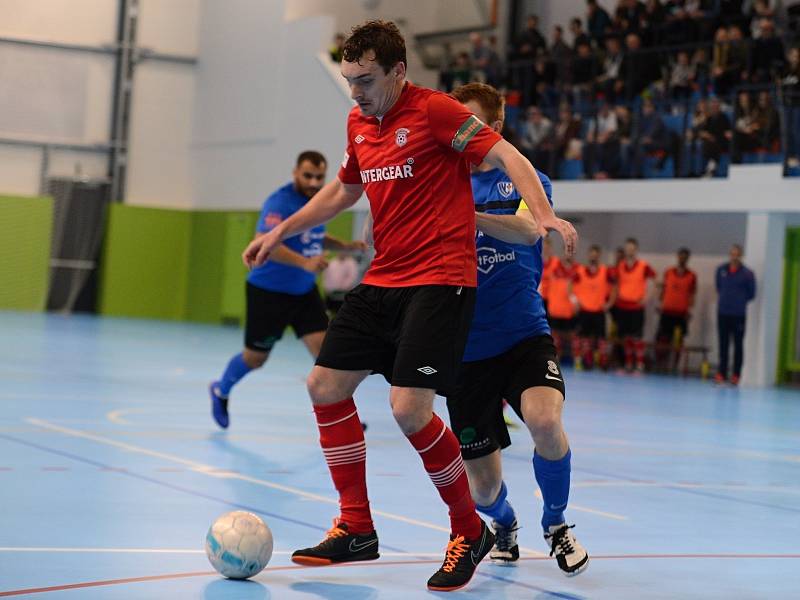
[219, 405]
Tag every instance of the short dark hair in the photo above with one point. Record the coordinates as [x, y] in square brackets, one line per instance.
[632, 240]
[382, 37]
[312, 156]
[594, 248]
[684, 250]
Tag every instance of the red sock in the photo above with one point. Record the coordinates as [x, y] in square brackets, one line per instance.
[441, 455]
[628, 352]
[640, 347]
[342, 441]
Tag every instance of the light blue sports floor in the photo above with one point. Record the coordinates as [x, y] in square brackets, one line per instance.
[111, 471]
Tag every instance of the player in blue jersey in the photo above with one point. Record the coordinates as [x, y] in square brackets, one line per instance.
[510, 355]
[283, 291]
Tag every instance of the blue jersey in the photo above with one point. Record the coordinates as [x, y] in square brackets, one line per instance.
[276, 277]
[508, 307]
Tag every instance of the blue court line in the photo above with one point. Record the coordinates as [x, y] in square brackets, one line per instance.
[178, 488]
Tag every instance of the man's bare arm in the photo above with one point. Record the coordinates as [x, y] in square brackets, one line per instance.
[512, 229]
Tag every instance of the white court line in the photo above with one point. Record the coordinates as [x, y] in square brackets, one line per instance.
[172, 551]
[731, 487]
[215, 472]
[115, 416]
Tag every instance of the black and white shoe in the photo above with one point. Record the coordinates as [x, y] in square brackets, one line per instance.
[506, 549]
[339, 546]
[572, 558]
[460, 561]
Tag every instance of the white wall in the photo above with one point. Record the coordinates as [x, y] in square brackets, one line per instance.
[249, 129]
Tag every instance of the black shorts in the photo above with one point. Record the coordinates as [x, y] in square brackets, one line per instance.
[413, 336]
[476, 406]
[592, 324]
[565, 325]
[269, 313]
[667, 325]
[630, 323]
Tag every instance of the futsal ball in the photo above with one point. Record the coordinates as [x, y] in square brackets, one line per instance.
[239, 544]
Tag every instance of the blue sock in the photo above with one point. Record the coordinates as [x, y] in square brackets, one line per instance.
[500, 510]
[235, 370]
[553, 479]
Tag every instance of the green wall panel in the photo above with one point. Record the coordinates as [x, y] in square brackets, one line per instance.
[145, 262]
[26, 226]
[171, 264]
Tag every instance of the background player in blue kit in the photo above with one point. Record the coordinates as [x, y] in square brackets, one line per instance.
[510, 355]
[283, 291]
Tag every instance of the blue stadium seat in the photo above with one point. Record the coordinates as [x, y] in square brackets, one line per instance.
[570, 169]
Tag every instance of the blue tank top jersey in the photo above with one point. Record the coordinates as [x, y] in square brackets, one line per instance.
[276, 277]
[508, 307]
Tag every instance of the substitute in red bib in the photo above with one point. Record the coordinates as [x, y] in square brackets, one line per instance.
[410, 149]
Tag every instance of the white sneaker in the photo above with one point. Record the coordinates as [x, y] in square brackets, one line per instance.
[505, 550]
[572, 558]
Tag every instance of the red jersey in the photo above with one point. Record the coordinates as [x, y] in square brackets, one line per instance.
[632, 282]
[678, 291]
[593, 287]
[414, 164]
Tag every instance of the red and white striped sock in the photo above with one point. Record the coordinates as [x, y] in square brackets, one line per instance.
[441, 455]
[342, 439]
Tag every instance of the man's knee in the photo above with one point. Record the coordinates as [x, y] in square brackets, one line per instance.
[254, 359]
[543, 417]
[322, 388]
[411, 410]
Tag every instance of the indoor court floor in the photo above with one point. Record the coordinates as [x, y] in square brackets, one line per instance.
[111, 471]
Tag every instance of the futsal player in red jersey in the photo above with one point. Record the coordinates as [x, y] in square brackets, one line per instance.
[410, 149]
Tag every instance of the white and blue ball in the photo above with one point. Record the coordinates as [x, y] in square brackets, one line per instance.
[239, 544]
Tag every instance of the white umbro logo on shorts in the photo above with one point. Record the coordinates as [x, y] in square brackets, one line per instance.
[359, 138]
[427, 370]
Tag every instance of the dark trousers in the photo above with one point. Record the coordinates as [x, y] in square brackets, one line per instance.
[727, 326]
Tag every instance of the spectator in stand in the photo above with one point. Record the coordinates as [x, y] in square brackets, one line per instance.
[544, 72]
[337, 47]
[652, 137]
[639, 69]
[790, 91]
[598, 23]
[446, 65]
[738, 55]
[536, 131]
[628, 16]
[606, 82]
[530, 41]
[702, 71]
[593, 288]
[722, 75]
[679, 26]
[736, 286]
[584, 70]
[769, 122]
[579, 36]
[768, 54]
[631, 277]
[746, 128]
[485, 61]
[624, 135]
[651, 23]
[566, 136]
[561, 55]
[681, 78]
[760, 14]
[675, 305]
[601, 153]
[462, 70]
[715, 136]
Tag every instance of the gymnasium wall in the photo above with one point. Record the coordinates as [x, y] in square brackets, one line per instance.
[25, 227]
[180, 265]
